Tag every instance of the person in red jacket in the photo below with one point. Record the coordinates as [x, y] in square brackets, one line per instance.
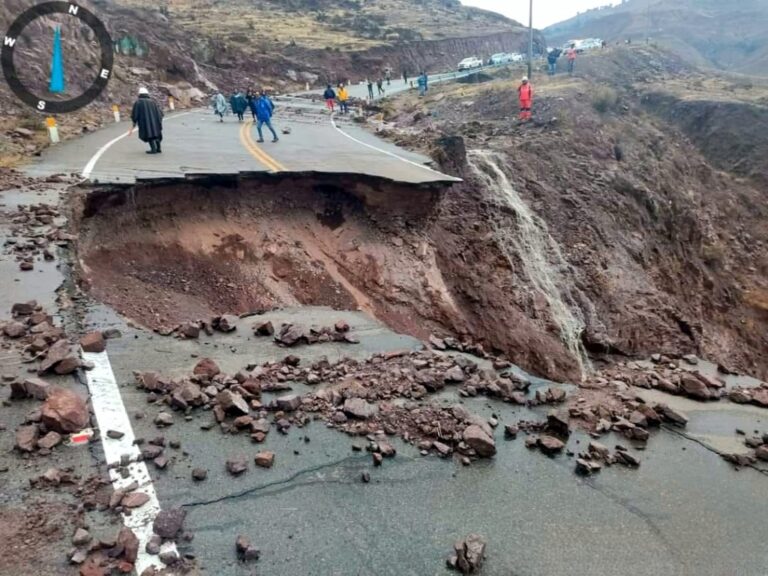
[525, 92]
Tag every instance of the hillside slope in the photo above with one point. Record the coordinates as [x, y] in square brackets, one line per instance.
[649, 175]
[726, 35]
[189, 48]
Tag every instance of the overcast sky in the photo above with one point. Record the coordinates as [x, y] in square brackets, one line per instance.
[545, 12]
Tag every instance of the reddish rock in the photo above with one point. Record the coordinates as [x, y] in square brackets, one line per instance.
[232, 403]
[207, 368]
[359, 408]
[65, 412]
[68, 365]
[14, 330]
[760, 397]
[26, 438]
[189, 330]
[169, 523]
[134, 500]
[694, 388]
[550, 444]
[265, 459]
[288, 403]
[341, 326]
[128, 541]
[49, 441]
[93, 342]
[671, 415]
[479, 440]
[37, 388]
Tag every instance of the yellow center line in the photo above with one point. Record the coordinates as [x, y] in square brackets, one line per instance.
[247, 141]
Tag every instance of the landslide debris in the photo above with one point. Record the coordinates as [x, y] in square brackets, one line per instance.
[665, 250]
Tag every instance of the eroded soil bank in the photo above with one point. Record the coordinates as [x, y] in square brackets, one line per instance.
[166, 253]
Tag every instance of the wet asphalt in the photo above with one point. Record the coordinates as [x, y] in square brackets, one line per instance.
[685, 511]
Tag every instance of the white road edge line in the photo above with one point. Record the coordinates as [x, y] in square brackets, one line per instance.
[387, 152]
[88, 169]
[111, 415]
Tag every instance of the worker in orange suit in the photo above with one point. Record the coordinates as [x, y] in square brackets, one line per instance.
[525, 92]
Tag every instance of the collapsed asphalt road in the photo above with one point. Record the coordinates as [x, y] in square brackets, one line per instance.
[684, 511]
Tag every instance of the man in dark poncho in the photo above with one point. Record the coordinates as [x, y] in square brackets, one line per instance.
[148, 117]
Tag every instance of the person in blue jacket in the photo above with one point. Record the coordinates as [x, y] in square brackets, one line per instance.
[263, 108]
[423, 83]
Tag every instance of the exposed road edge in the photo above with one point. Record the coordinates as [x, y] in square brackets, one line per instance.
[392, 154]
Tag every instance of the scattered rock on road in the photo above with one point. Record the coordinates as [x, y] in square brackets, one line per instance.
[468, 554]
[93, 342]
[65, 412]
[169, 523]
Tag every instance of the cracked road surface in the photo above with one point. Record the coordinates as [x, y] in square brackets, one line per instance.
[683, 512]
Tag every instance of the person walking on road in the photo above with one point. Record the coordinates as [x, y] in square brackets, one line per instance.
[571, 54]
[552, 57]
[264, 110]
[219, 106]
[423, 84]
[370, 88]
[147, 116]
[330, 98]
[343, 96]
[239, 105]
[380, 86]
[250, 100]
[388, 76]
[525, 93]
[405, 76]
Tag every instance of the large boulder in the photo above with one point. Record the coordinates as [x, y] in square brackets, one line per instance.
[694, 387]
[65, 412]
[480, 441]
[206, 368]
[358, 408]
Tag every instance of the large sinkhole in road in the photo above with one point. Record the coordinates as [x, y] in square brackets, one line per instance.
[166, 252]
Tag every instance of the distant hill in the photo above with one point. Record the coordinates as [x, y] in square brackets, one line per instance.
[727, 35]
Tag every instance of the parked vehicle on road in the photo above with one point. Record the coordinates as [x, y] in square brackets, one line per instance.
[470, 63]
[500, 58]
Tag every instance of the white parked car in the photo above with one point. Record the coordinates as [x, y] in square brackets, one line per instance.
[517, 57]
[470, 63]
[500, 58]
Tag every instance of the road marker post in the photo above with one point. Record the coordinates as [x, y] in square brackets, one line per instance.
[171, 103]
[53, 131]
[116, 112]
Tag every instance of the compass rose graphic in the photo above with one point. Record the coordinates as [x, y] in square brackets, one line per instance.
[56, 82]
